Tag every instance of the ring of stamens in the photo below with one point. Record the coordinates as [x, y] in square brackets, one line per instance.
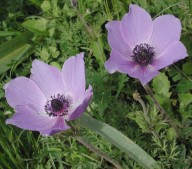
[57, 106]
[143, 54]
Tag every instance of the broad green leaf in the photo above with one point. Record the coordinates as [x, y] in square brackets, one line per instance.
[119, 140]
[187, 68]
[14, 49]
[38, 26]
[184, 86]
[46, 6]
[161, 85]
[185, 99]
[176, 77]
[56, 65]
[171, 134]
[188, 43]
[98, 52]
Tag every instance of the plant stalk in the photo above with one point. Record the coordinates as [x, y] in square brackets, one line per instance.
[93, 149]
[164, 113]
[138, 98]
[98, 152]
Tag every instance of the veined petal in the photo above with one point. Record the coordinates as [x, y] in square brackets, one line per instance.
[115, 38]
[80, 106]
[120, 63]
[144, 74]
[59, 125]
[48, 78]
[27, 118]
[136, 26]
[166, 30]
[24, 91]
[172, 54]
[73, 74]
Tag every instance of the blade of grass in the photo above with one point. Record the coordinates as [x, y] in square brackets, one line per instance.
[119, 140]
[14, 49]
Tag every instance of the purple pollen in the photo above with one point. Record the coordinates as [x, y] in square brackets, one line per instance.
[143, 54]
[57, 106]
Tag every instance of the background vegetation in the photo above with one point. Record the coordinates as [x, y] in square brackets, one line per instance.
[62, 30]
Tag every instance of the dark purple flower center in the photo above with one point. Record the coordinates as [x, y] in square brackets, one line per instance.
[57, 106]
[143, 54]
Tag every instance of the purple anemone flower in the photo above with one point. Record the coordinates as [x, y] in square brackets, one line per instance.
[50, 97]
[142, 46]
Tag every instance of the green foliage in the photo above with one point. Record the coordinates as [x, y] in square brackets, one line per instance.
[119, 140]
[14, 50]
[97, 47]
[161, 85]
[61, 31]
[185, 100]
[187, 68]
[151, 122]
[37, 26]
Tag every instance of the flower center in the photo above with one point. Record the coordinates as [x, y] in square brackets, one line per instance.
[143, 54]
[57, 106]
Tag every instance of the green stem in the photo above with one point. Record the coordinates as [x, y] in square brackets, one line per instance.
[164, 113]
[150, 93]
[167, 9]
[91, 32]
[98, 152]
[138, 98]
[143, 106]
[93, 149]
[88, 28]
[119, 140]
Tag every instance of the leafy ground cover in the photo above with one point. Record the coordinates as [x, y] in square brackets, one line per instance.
[62, 29]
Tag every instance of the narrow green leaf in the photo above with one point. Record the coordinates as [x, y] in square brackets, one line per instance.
[14, 49]
[8, 33]
[119, 140]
